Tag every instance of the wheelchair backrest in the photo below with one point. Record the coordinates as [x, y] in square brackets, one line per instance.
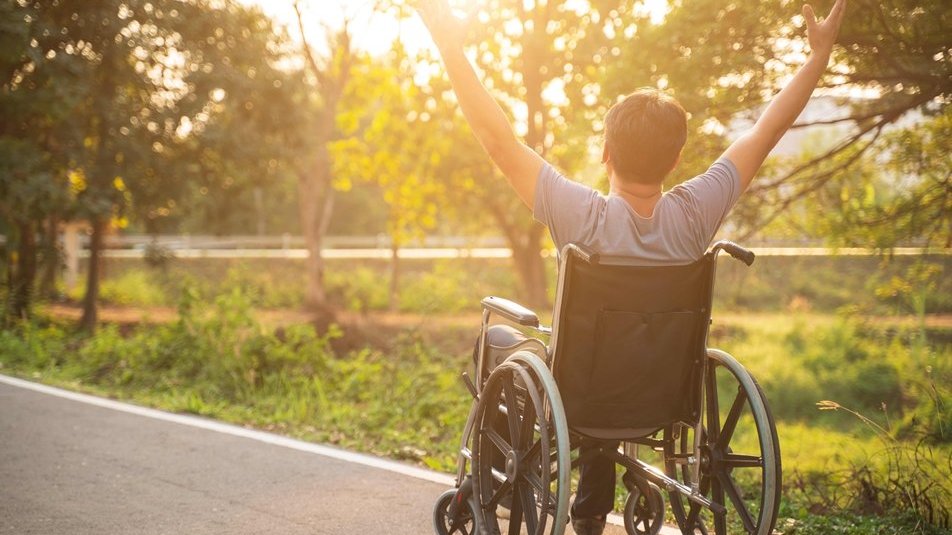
[628, 340]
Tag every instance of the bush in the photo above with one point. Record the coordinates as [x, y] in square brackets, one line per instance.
[135, 287]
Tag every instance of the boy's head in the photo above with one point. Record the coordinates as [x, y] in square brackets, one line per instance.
[644, 134]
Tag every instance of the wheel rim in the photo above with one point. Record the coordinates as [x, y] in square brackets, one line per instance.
[739, 470]
[512, 429]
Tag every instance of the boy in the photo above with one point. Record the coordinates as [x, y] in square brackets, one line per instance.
[644, 136]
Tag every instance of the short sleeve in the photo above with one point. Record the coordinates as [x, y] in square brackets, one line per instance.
[712, 194]
[569, 209]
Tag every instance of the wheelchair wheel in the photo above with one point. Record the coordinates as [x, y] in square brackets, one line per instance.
[739, 456]
[644, 515]
[520, 449]
[450, 518]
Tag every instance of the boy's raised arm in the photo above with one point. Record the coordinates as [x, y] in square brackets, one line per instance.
[519, 163]
[748, 152]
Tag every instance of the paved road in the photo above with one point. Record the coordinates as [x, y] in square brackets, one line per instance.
[68, 467]
[75, 464]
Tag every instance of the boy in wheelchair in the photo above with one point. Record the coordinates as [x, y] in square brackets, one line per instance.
[644, 136]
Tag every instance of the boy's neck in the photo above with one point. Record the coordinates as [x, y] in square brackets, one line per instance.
[641, 197]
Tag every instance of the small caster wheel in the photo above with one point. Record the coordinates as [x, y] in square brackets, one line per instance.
[644, 515]
[451, 516]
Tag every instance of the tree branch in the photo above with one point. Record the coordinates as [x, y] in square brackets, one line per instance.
[306, 48]
[818, 182]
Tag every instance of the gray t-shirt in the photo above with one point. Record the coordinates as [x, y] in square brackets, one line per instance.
[678, 232]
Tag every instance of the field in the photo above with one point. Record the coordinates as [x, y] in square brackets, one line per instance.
[874, 337]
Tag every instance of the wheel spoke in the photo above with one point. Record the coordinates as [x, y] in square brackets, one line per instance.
[717, 496]
[533, 451]
[512, 410]
[530, 512]
[528, 425]
[534, 480]
[515, 512]
[500, 492]
[736, 460]
[497, 440]
[730, 423]
[734, 493]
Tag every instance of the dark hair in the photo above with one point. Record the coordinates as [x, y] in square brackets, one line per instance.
[644, 134]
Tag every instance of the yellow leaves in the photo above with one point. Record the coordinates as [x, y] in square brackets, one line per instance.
[119, 222]
[869, 200]
[119, 184]
[343, 183]
[77, 181]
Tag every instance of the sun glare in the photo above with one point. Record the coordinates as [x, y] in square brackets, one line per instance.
[377, 31]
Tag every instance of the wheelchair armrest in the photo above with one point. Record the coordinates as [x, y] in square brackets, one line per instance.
[511, 310]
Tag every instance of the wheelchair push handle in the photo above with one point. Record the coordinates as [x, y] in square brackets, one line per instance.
[740, 253]
[584, 253]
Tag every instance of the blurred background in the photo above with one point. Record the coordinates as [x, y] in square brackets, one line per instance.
[296, 175]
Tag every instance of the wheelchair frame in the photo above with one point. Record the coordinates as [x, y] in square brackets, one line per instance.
[684, 456]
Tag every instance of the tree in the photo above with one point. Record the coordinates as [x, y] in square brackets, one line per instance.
[329, 76]
[722, 60]
[39, 85]
[393, 142]
[144, 78]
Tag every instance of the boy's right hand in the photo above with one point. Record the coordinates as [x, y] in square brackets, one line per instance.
[822, 35]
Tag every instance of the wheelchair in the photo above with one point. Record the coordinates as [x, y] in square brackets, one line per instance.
[626, 366]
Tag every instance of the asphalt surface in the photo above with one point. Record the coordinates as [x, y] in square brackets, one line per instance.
[75, 464]
[68, 467]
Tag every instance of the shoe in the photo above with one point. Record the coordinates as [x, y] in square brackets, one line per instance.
[588, 526]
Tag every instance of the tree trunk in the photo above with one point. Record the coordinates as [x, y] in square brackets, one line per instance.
[91, 299]
[25, 276]
[316, 203]
[527, 256]
[51, 258]
[394, 299]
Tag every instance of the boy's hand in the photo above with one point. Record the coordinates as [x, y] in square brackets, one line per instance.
[822, 35]
[445, 28]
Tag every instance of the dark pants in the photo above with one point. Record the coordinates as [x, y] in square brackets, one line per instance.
[596, 485]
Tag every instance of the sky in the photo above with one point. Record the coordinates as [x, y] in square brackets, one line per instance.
[374, 32]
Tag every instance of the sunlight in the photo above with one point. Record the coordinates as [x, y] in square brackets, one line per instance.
[376, 32]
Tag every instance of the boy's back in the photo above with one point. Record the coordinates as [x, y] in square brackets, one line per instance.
[678, 231]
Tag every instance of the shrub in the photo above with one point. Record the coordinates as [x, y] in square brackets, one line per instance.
[134, 287]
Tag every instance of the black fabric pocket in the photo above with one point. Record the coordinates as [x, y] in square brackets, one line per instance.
[641, 368]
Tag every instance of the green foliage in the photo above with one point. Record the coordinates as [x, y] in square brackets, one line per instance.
[444, 289]
[801, 522]
[134, 288]
[360, 290]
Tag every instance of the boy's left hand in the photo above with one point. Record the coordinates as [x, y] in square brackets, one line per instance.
[822, 35]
